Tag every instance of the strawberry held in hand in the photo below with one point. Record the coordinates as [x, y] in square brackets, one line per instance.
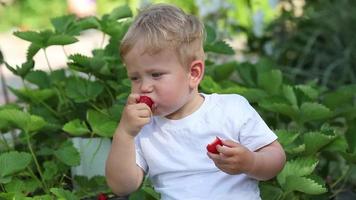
[212, 146]
[147, 100]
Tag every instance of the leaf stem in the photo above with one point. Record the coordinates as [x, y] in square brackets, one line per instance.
[36, 161]
[47, 60]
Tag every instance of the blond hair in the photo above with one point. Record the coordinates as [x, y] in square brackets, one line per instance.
[162, 26]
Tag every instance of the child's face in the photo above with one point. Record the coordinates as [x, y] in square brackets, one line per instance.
[161, 77]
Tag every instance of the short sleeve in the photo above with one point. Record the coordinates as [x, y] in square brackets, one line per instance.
[254, 132]
[140, 160]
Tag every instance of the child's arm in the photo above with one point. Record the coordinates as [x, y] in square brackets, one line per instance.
[122, 174]
[263, 164]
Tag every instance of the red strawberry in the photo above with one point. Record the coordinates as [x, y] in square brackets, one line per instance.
[147, 100]
[212, 146]
[102, 196]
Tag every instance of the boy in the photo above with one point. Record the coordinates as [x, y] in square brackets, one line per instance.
[164, 57]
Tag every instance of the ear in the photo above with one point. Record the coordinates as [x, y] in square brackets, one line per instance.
[196, 72]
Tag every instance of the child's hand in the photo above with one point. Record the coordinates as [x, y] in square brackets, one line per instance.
[134, 116]
[233, 158]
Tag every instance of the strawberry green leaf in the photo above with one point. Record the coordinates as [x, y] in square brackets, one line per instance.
[35, 96]
[30, 36]
[62, 194]
[304, 184]
[36, 123]
[120, 12]
[224, 71]
[81, 90]
[32, 50]
[309, 91]
[18, 118]
[68, 154]
[209, 85]
[61, 40]
[24, 186]
[314, 141]
[13, 162]
[286, 137]
[314, 111]
[289, 94]
[282, 108]
[76, 128]
[101, 123]
[50, 170]
[270, 192]
[210, 34]
[270, 80]
[220, 47]
[299, 167]
[65, 25]
[39, 78]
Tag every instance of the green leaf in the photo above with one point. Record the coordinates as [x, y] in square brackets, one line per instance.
[342, 97]
[25, 186]
[16, 117]
[224, 71]
[68, 154]
[76, 128]
[23, 70]
[61, 40]
[304, 184]
[39, 78]
[120, 12]
[13, 162]
[247, 73]
[35, 96]
[254, 95]
[65, 24]
[81, 90]
[289, 94]
[314, 141]
[309, 91]
[286, 137]
[270, 80]
[314, 111]
[101, 123]
[30, 36]
[350, 135]
[208, 85]
[282, 108]
[220, 47]
[210, 34]
[32, 50]
[270, 192]
[36, 123]
[50, 170]
[62, 194]
[302, 166]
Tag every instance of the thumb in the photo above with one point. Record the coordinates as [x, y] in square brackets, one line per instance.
[132, 99]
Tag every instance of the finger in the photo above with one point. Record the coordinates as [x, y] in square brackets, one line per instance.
[230, 143]
[144, 113]
[226, 151]
[132, 99]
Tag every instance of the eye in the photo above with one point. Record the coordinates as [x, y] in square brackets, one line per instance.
[133, 78]
[157, 75]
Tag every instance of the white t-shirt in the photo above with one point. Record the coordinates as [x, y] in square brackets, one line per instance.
[173, 152]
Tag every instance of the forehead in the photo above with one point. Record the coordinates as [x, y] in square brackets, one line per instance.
[139, 56]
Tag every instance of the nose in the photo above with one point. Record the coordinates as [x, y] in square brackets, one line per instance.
[146, 86]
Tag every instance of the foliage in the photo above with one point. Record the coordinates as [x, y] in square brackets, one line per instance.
[316, 126]
[316, 45]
